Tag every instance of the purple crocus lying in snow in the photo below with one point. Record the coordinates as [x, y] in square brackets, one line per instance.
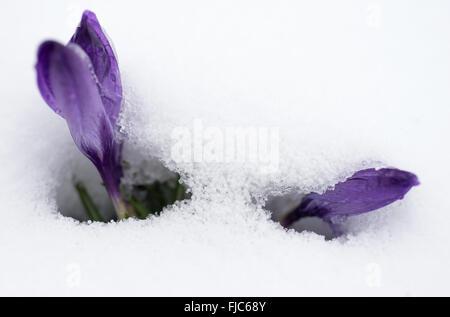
[80, 81]
[365, 191]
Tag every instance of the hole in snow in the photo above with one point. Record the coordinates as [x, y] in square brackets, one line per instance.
[67, 198]
[280, 205]
[146, 182]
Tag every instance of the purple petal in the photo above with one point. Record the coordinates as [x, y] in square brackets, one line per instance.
[42, 68]
[90, 36]
[81, 82]
[365, 191]
[76, 94]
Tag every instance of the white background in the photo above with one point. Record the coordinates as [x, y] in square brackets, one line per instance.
[350, 84]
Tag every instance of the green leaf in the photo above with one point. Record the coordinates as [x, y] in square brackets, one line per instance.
[140, 209]
[179, 191]
[89, 206]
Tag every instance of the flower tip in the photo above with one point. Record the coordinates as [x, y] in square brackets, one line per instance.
[88, 20]
[43, 48]
[415, 181]
[87, 15]
[407, 178]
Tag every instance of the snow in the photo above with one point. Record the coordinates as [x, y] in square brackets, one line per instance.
[347, 85]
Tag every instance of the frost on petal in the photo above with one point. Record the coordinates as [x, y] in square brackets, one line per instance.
[76, 94]
[365, 191]
[91, 38]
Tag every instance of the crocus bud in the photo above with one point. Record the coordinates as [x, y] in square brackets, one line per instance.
[365, 191]
[80, 81]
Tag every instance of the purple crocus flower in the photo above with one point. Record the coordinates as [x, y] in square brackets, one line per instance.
[80, 81]
[365, 191]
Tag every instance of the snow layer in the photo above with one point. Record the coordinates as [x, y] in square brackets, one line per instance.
[349, 85]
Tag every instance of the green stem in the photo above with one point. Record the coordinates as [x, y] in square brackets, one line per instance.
[123, 209]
